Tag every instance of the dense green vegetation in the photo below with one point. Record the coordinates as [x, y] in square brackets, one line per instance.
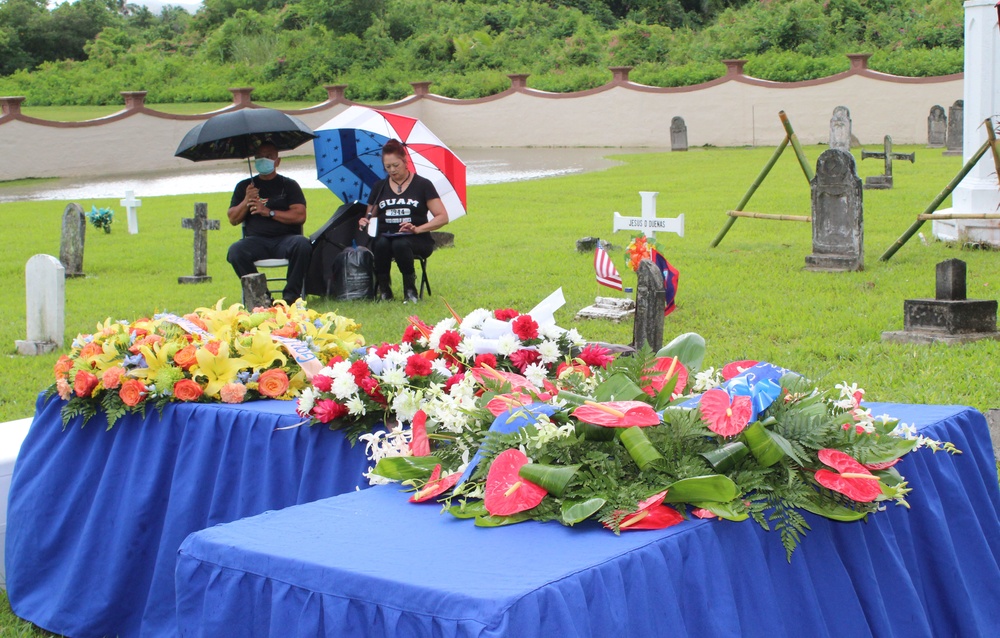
[88, 51]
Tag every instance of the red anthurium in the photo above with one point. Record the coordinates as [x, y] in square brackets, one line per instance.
[436, 485]
[882, 466]
[671, 367]
[650, 514]
[506, 492]
[701, 512]
[617, 414]
[516, 381]
[735, 368]
[503, 402]
[420, 445]
[723, 416]
[851, 478]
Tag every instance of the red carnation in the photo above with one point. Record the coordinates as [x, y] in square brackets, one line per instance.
[335, 359]
[487, 360]
[505, 314]
[322, 382]
[525, 328]
[359, 369]
[452, 380]
[370, 386]
[417, 366]
[411, 334]
[385, 348]
[449, 341]
[524, 357]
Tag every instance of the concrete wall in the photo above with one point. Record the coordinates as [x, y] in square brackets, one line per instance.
[734, 110]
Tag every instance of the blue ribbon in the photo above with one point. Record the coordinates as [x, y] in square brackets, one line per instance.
[511, 421]
[762, 394]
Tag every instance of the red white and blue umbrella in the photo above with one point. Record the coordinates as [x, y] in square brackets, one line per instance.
[349, 161]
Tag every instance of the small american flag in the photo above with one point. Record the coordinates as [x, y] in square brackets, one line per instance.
[607, 274]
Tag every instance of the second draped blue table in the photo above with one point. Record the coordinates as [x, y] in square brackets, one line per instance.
[371, 564]
[95, 517]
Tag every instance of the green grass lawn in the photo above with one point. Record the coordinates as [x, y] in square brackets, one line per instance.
[750, 297]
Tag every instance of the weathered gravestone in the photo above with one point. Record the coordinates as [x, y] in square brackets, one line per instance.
[255, 292]
[74, 231]
[937, 127]
[956, 122]
[949, 317]
[884, 181]
[131, 204]
[837, 215]
[45, 287]
[614, 308]
[649, 306]
[840, 129]
[678, 134]
[200, 224]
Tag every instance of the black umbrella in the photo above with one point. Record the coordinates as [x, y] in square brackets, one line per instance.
[239, 134]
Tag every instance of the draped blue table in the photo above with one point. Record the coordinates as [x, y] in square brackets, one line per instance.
[371, 564]
[95, 517]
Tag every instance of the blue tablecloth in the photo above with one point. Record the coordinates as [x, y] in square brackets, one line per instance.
[95, 517]
[372, 564]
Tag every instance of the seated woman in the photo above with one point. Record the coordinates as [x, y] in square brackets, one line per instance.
[407, 207]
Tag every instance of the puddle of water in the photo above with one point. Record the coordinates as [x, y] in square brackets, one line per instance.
[484, 166]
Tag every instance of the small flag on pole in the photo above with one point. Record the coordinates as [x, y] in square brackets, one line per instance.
[607, 274]
[670, 277]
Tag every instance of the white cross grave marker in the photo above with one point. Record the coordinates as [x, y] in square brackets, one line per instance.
[649, 223]
[131, 203]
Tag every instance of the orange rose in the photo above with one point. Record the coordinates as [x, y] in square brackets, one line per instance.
[84, 383]
[187, 390]
[132, 392]
[185, 357]
[213, 347]
[233, 393]
[112, 377]
[273, 383]
[289, 330]
[92, 349]
[63, 365]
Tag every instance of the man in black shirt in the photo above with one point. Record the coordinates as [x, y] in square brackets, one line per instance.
[272, 209]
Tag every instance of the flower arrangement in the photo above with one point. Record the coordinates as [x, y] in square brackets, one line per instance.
[226, 354]
[101, 218]
[629, 444]
[641, 247]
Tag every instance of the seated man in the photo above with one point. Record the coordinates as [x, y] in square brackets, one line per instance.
[272, 209]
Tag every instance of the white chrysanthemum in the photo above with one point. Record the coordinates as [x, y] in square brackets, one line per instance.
[441, 367]
[343, 386]
[394, 378]
[406, 403]
[467, 350]
[326, 371]
[464, 389]
[550, 331]
[355, 406]
[508, 344]
[536, 373]
[706, 380]
[443, 326]
[575, 337]
[306, 401]
[549, 350]
[396, 358]
[475, 319]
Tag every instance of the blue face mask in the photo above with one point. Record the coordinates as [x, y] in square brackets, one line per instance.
[264, 165]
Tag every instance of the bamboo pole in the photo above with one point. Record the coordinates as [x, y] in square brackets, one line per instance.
[782, 218]
[799, 153]
[750, 191]
[938, 216]
[992, 137]
[921, 218]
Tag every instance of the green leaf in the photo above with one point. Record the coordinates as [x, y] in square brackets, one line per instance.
[554, 478]
[468, 509]
[731, 511]
[713, 488]
[762, 446]
[893, 451]
[639, 447]
[575, 511]
[402, 468]
[500, 521]
[618, 387]
[592, 432]
[833, 511]
[571, 398]
[726, 457]
[786, 447]
[689, 348]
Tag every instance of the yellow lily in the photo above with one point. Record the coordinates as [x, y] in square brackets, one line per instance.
[159, 357]
[217, 370]
[219, 319]
[261, 352]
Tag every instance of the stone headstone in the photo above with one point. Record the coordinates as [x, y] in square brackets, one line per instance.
[949, 317]
[937, 127]
[837, 214]
[45, 288]
[884, 181]
[255, 293]
[613, 308]
[131, 204]
[678, 134]
[956, 124]
[200, 224]
[649, 306]
[840, 129]
[74, 231]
